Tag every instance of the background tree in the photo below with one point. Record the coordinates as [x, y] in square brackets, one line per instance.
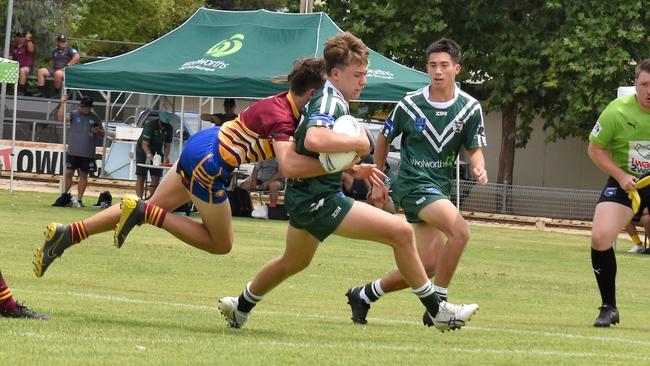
[392, 28]
[272, 5]
[503, 44]
[558, 59]
[594, 52]
[133, 21]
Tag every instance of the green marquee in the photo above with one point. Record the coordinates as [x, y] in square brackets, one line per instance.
[233, 54]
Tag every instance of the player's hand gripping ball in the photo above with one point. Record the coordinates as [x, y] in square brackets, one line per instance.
[335, 162]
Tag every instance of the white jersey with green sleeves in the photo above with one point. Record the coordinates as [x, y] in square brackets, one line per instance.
[624, 129]
[432, 135]
[322, 110]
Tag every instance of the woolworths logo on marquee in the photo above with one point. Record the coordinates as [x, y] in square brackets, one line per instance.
[223, 48]
[378, 73]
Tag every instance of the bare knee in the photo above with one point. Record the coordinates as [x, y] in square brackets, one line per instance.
[220, 247]
[459, 235]
[601, 240]
[402, 235]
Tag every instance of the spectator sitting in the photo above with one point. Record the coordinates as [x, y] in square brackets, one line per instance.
[155, 134]
[219, 118]
[23, 52]
[266, 176]
[62, 57]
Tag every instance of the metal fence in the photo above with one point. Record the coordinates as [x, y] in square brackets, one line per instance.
[557, 203]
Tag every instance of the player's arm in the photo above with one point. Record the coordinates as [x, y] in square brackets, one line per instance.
[378, 191]
[603, 160]
[477, 162]
[98, 129]
[321, 139]
[294, 165]
[75, 58]
[59, 113]
[169, 138]
[381, 150]
[166, 151]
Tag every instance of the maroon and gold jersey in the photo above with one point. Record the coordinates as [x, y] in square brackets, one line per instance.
[249, 137]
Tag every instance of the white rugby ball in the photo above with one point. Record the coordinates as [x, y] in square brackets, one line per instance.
[335, 162]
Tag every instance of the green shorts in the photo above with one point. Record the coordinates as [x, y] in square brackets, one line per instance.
[414, 201]
[321, 218]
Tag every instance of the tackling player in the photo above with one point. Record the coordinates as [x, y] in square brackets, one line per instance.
[263, 130]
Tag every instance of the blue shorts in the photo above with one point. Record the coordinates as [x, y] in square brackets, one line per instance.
[202, 170]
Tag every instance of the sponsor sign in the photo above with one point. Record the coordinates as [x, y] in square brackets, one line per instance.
[37, 158]
[210, 61]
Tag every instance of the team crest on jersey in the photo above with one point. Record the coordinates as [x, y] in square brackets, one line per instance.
[419, 124]
[458, 126]
[596, 130]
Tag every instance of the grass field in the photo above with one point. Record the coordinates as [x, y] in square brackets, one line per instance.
[154, 301]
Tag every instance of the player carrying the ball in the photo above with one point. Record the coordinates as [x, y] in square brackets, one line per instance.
[434, 122]
[263, 130]
[317, 207]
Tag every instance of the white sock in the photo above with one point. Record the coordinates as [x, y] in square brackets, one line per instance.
[441, 292]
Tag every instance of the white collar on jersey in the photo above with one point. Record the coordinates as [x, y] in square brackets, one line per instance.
[328, 84]
[440, 105]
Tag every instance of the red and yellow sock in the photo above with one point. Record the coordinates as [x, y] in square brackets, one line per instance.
[78, 231]
[7, 303]
[154, 215]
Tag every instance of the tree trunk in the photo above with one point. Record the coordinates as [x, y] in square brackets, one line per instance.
[506, 157]
[508, 141]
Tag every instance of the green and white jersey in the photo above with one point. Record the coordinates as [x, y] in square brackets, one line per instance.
[432, 134]
[324, 108]
[624, 129]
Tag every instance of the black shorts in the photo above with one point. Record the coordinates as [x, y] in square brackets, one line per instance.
[141, 171]
[614, 193]
[84, 164]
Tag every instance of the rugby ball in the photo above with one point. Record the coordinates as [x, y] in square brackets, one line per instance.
[335, 162]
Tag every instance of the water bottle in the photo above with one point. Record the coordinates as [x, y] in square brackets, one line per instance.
[156, 159]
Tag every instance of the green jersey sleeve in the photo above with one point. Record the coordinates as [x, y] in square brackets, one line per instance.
[475, 128]
[393, 125]
[603, 132]
[325, 111]
[169, 134]
[148, 130]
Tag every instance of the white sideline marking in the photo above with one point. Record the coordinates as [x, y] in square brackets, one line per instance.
[385, 321]
[616, 356]
[311, 345]
[123, 299]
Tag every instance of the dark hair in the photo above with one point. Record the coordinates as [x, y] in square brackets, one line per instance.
[642, 66]
[86, 102]
[342, 50]
[445, 45]
[229, 103]
[307, 73]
